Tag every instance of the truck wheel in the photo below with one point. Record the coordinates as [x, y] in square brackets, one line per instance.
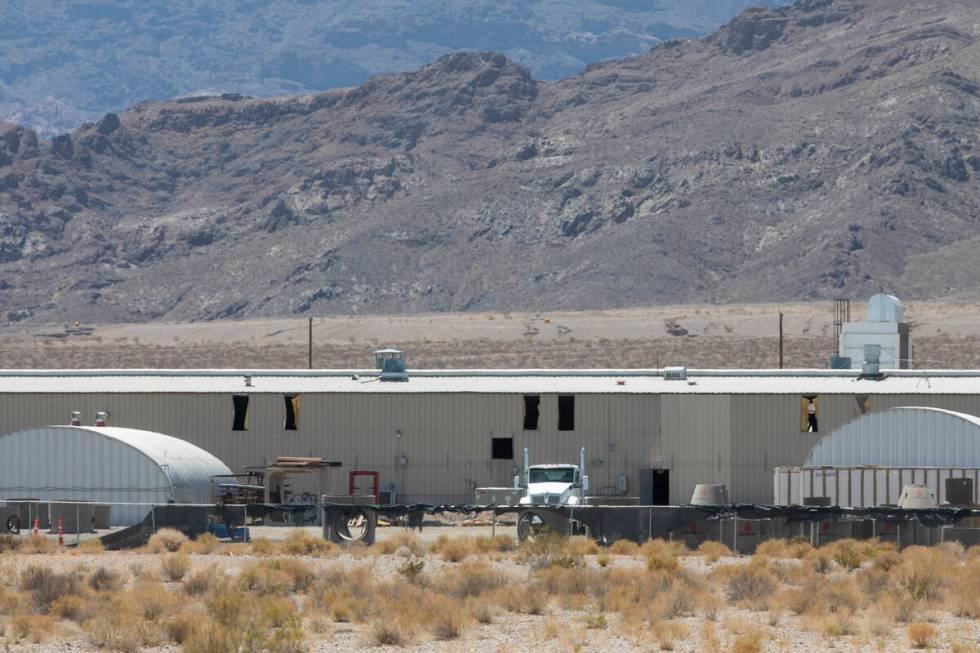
[359, 528]
[529, 525]
[13, 524]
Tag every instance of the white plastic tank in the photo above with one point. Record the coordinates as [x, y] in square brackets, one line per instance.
[917, 496]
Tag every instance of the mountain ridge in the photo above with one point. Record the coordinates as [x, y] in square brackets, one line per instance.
[61, 65]
[805, 152]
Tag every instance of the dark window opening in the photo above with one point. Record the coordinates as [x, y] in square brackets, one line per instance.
[503, 448]
[532, 412]
[566, 413]
[809, 414]
[292, 412]
[240, 421]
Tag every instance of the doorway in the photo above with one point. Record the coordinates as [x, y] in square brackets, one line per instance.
[661, 487]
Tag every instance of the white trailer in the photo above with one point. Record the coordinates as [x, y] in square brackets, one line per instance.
[863, 486]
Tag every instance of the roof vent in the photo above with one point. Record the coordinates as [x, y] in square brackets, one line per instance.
[871, 368]
[76, 418]
[391, 365]
[675, 374]
[100, 417]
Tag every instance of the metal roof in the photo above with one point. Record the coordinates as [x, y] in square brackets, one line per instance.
[188, 467]
[487, 381]
[907, 436]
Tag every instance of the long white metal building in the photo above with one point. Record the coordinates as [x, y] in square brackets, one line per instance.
[437, 435]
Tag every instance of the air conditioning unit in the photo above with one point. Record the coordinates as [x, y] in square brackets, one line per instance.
[675, 374]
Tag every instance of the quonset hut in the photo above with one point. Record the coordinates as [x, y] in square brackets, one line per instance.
[435, 435]
[105, 465]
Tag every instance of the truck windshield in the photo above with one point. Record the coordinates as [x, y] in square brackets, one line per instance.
[554, 475]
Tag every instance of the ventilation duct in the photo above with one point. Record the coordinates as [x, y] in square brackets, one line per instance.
[391, 365]
[872, 361]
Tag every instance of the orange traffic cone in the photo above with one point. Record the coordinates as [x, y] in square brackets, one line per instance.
[37, 525]
[61, 533]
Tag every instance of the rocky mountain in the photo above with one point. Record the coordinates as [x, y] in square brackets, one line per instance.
[806, 152]
[64, 63]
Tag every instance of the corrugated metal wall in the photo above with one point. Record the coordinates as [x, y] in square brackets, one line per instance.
[446, 438]
[697, 445]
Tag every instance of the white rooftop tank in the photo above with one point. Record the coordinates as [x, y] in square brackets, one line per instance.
[883, 307]
[884, 328]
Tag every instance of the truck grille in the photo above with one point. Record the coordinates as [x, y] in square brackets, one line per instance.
[546, 499]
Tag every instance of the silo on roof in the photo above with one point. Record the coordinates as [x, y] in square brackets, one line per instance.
[106, 465]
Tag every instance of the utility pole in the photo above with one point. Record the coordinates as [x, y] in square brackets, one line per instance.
[309, 348]
[780, 340]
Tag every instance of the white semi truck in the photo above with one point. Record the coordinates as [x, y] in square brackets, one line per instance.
[549, 485]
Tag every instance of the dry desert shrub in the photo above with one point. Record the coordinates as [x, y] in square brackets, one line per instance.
[198, 583]
[624, 548]
[922, 635]
[780, 548]
[37, 544]
[90, 546]
[387, 632]
[964, 591]
[748, 642]
[667, 633]
[456, 549]
[712, 551]
[46, 586]
[710, 643]
[471, 578]
[183, 625]
[302, 543]
[31, 627]
[203, 544]
[579, 545]
[835, 626]
[9, 542]
[118, 626]
[276, 576]
[166, 540]
[660, 555]
[561, 581]
[174, 566]
[151, 599]
[751, 585]
[104, 579]
[496, 544]
[404, 538]
[238, 622]
[446, 617]
[262, 546]
[483, 612]
[849, 554]
[924, 572]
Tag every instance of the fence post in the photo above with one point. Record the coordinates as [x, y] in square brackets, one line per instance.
[153, 519]
[78, 525]
[735, 533]
[493, 523]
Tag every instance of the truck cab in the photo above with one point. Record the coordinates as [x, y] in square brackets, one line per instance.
[556, 485]
[553, 484]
